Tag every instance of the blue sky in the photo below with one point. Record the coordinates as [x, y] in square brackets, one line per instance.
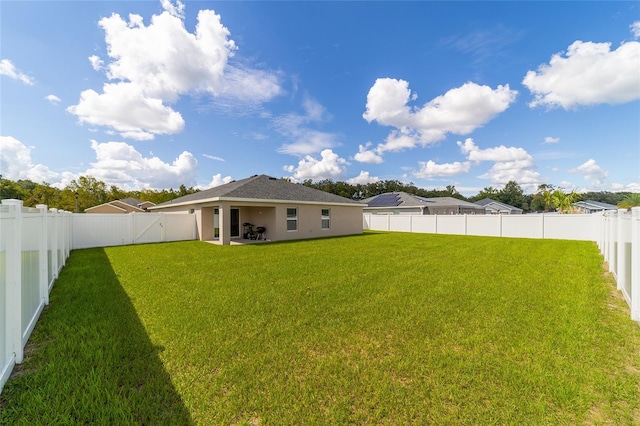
[154, 94]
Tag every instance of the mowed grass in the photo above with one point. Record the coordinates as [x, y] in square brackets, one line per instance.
[382, 328]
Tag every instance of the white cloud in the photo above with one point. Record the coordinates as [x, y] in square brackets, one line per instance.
[217, 180]
[430, 169]
[590, 171]
[152, 66]
[295, 127]
[635, 29]
[53, 99]
[117, 164]
[363, 178]
[177, 10]
[122, 165]
[459, 111]
[329, 166]
[7, 68]
[633, 187]
[96, 62]
[124, 107]
[309, 142]
[509, 163]
[16, 163]
[213, 157]
[587, 74]
[367, 156]
[550, 139]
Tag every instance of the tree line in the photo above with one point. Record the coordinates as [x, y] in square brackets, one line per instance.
[87, 191]
[81, 193]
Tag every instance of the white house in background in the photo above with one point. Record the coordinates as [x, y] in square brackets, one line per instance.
[496, 207]
[403, 203]
[589, 206]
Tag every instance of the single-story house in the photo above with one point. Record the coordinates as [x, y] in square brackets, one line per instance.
[286, 211]
[403, 203]
[496, 207]
[124, 206]
[589, 206]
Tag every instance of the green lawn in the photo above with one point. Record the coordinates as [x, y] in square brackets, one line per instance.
[382, 328]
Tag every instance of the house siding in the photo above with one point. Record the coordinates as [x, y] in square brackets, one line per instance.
[345, 220]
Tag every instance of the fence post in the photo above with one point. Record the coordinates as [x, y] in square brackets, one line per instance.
[14, 281]
[43, 258]
[635, 264]
[53, 246]
[621, 260]
[613, 242]
[163, 218]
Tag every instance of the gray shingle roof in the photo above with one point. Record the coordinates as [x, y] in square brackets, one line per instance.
[262, 187]
[132, 201]
[409, 200]
[486, 201]
[595, 205]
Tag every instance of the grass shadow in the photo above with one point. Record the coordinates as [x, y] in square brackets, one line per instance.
[89, 359]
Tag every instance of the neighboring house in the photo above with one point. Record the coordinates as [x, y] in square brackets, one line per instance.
[496, 207]
[403, 203]
[124, 206]
[288, 211]
[589, 206]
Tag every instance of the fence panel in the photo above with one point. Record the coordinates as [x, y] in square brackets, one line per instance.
[379, 222]
[454, 224]
[103, 230]
[179, 228]
[32, 294]
[400, 223]
[571, 226]
[623, 263]
[523, 226]
[7, 359]
[486, 226]
[29, 250]
[635, 264]
[424, 224]
[147, 228]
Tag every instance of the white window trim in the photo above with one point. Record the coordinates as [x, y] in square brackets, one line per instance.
[292, 219]
[323, 218]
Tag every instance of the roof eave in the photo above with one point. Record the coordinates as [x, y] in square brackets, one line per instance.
[253, 200]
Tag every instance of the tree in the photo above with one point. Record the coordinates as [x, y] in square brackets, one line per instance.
[631, 200]
[511, 194]
[10, 190]
[89, 192]
[487, 192]
[562, 201]
[43, 194]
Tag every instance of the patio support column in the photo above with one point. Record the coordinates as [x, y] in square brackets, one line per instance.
[224, 211]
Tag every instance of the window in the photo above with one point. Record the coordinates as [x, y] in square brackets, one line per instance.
[326, 218]
[292, 219]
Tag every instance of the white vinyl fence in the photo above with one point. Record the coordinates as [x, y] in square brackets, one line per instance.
[619, 242]
[34, 245]
[556, 226]
[103, 230]
[617, 234]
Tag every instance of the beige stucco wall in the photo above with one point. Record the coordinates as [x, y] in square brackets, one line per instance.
[106, 208]
[344, 220]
